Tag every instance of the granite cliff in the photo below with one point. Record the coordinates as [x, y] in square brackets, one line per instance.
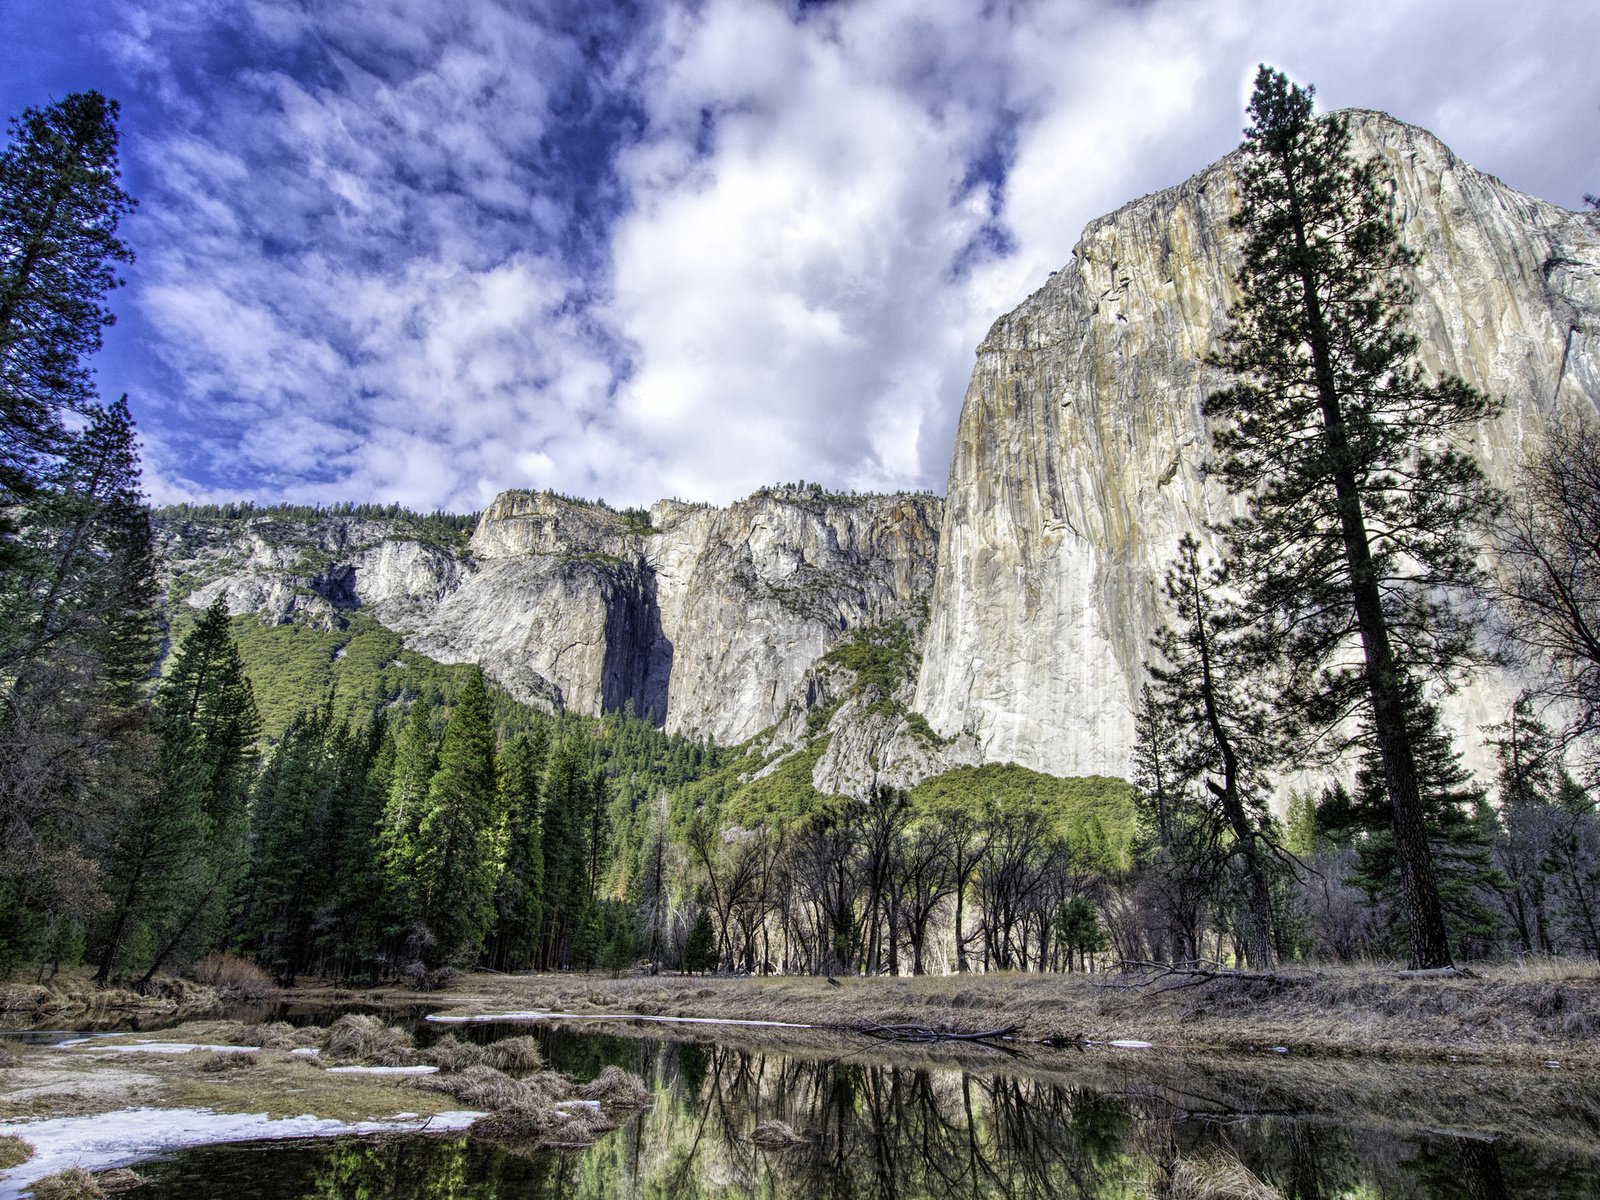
[1080, 456]
[706, 619]
[1031, 591]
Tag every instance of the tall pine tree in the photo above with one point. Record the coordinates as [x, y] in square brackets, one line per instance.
[1358, 505]
[460, 834]
[178, 860]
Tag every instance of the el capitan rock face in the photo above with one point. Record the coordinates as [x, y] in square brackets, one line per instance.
[1079, 460]
[1078, 464]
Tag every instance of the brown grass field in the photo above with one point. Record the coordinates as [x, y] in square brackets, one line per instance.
[1531, 1014]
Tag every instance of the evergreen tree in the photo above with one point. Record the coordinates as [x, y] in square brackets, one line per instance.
[460, 834]
[1209, 691]
[178, 858]
[1458, 824]
[75, 742]
[290, 826]
[412, 771]
[60, 204]
[1527, 823]
[700, 950]
[568, 796]
[519, 898]
[1359, 506]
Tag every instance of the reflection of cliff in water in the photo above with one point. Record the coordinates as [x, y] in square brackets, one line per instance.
[878, 1131]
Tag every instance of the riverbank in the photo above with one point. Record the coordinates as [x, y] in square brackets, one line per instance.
[1549, 1011]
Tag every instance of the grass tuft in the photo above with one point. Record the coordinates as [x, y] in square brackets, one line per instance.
[777, 1135]
[72, 1184]
[450, 1053]
[13, 1151]
[1216, 1178]
[617, 1087]
[362, 1038]
[515, 1055]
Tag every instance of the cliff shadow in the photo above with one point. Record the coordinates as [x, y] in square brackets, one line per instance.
[638, 660]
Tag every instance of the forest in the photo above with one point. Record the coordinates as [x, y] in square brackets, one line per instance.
[181, 790]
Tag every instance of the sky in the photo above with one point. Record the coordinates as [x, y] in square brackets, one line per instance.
[404, 250]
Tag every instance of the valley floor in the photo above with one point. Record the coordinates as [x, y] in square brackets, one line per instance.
[1532, 1015]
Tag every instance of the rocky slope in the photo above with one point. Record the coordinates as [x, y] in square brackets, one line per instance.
[707, 619]
[1079, 458]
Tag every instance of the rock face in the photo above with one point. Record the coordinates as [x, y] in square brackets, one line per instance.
[1078, 464]
[706, 619]
[1079, 459]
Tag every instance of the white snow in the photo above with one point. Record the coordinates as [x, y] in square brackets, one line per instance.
[306, 1052]
[176, 1048]
[1130, 1044]
[117, 1139]
[480, 1018]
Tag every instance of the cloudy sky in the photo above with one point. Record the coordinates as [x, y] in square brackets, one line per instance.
[422, 251]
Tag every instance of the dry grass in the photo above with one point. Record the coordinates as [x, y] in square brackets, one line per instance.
[1544, 1009]
[358, 1037]
[72, 1184]
[13, 1151]
[1215, 1178]
[450, 1053]
[485, 1088]
[514, 1055]
[119, 1179]
[776, 1135]
[273, 1035]
[10, 1056]
[235, 976]
[618, 1088]
[232, 1063]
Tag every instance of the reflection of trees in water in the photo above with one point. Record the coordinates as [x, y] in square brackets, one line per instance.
[875, 1131]
[879, 1132]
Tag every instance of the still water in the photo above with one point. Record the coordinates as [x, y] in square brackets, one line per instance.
[908, 1126]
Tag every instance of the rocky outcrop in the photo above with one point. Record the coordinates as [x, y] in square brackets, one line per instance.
[1080, 457]
[706, 619]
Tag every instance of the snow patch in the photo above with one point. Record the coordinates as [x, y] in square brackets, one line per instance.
[178, 1048]
[118, 1139]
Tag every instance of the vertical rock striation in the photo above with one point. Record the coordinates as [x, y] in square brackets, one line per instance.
[1079, 460]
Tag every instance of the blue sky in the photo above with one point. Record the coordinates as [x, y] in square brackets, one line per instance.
[404, 250]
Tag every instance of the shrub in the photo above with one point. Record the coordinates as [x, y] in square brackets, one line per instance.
[235, 976]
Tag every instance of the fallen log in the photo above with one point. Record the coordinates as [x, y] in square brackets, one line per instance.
[921, 1033]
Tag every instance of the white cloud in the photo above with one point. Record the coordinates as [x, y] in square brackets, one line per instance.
[386, 254]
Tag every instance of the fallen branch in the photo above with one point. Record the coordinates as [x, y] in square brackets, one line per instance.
[1192, 975]
[921, 1033]
[1435, 973]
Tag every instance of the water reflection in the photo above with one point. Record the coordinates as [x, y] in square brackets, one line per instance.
[877, 1130]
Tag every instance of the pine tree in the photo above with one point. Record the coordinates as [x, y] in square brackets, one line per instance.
[60, 204]
[1359, 507]
[412, 771]
[209, 731]
[519, 898]
[76, 748]
[178, 858]
[566, 805]
[1458, 822]
[1209, 691]
[460, 836]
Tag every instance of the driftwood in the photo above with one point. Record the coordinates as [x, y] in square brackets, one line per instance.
[1191, 974]
[1435, 973]
[921, 1033]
